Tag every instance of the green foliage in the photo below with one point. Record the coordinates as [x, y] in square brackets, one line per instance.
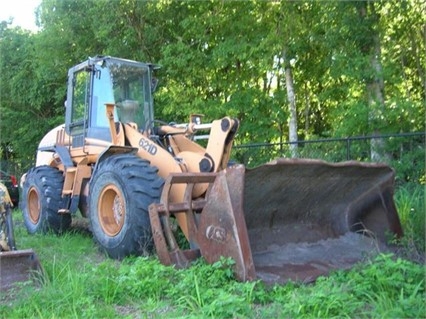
[226, 58]
[80, 282]
[386, 287]
[408, 159]
[410, 201]
[152, 278]
[211, 291]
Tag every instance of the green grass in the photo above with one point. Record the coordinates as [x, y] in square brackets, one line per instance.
[410, 201]
[82, 283]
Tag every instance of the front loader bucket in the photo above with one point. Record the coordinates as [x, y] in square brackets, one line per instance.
[307, 217]
[286, 220]
[15, 265]
[18, 266]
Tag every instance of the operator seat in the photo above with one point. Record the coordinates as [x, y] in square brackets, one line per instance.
[128, 110]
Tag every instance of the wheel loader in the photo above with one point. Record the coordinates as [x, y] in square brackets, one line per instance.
[145, 185]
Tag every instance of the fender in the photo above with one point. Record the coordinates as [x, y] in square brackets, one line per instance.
[113, 150]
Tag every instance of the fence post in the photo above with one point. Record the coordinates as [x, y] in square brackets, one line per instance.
[348, 148]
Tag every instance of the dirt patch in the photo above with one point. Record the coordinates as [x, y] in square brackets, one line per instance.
[81, 225]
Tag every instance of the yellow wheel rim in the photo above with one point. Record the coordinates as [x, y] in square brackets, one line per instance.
[111, 210]
[33, 201]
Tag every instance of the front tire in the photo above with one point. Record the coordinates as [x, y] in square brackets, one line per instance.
[121, 190]
[42, 197]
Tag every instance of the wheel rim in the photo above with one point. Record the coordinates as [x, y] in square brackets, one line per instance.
[111, 210]
[33, 201]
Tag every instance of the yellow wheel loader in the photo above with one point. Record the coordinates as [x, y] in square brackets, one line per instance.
[135, 178]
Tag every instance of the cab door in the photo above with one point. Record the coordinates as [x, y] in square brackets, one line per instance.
[78, 105]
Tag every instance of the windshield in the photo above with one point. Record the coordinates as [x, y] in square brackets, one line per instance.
[131, 89]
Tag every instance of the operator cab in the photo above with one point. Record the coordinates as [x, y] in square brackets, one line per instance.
[101, 80]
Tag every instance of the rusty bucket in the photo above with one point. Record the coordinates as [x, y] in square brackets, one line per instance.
[16, 266]
[285, 220]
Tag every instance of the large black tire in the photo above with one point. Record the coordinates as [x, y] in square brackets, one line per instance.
[121, 190]
[41, 200]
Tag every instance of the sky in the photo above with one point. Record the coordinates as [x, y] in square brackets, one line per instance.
[22, 12]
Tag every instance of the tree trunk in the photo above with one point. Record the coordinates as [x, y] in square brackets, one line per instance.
[376, 101]
[291, 98]
[307, 109]
[375, 86]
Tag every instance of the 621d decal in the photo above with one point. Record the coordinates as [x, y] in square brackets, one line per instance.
[148, 146]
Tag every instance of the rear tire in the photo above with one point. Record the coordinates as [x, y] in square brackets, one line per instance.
[42, 192]
[121, 190]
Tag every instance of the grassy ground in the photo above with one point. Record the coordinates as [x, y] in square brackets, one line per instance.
[82, 283]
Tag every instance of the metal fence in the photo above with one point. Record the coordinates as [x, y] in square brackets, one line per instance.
[405, 152]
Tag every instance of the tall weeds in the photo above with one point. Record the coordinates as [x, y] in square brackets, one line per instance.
[82, 283]
[410, 202]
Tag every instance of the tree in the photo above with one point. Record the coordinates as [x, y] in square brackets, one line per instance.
[22, 110]
[289, 70]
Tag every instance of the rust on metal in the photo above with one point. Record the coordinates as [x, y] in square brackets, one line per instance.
[15, 265]
[285, 220]
[306, 218]
[18, 266]
[216, 224]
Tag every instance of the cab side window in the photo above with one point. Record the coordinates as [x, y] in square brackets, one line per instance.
[102, 94]
[80, 101]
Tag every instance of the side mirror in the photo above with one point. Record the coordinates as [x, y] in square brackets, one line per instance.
[154, 83]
